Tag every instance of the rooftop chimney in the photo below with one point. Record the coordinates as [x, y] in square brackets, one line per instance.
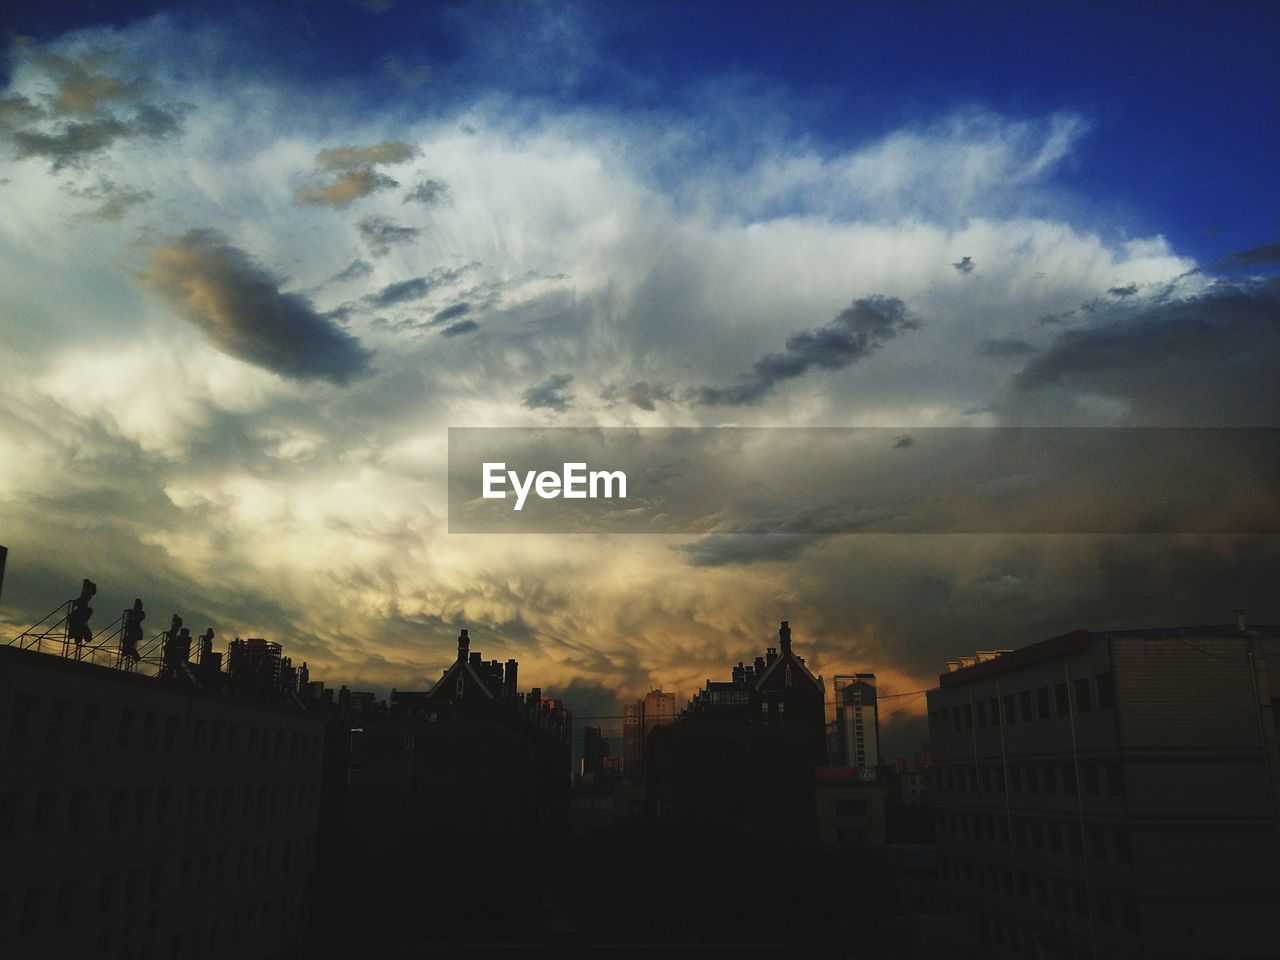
[475, 658]
[464, 642]
[759, 665]
[784, 637]
[509, 683]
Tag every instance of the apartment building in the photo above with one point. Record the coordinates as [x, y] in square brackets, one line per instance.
[1113, 794]
[147, 817]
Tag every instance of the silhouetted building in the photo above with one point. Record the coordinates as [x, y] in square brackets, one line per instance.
[595, 748]
[857, 724]
[745, 750]
[471, 754]
[147, 816]
[639, 719]
[1113, 794]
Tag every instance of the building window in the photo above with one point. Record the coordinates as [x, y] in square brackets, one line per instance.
[1084, 702]
[1010, 715]
[57, 721]
[1050, 780]
[1123, 848]
[90, 714]
[1069, 780]
[126, 727]
[1115, 780]
[981, 709]
[170, 732]
[119, 799]
[46, 801]
[1024, 703]
[1106, 691]
[968, 717]
[1091, 779]
[24, 708]
[1097, 843]
[1042, 703]
[995, 711]
[1061, 700]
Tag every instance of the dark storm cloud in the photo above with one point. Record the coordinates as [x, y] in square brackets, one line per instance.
[1126, 291]
[964, 265]
[345, 174]
[240, 309]
[429, 192]
[1253, 257]
[865, 325]
[549, 394]
[1004, 347]
[457, 329]
[903, 441]
[1228, 320]
[381, 234]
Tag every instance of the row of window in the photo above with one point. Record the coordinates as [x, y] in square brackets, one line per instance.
[1043, 703]
[40, 909]
[77, 812]
[1068, 899]
[1032, 778]
[1047, 836]
[84, 724]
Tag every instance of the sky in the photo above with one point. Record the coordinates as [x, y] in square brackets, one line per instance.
[255, 260]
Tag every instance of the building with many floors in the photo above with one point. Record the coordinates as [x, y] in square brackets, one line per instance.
[1113, 794]
[152, 817]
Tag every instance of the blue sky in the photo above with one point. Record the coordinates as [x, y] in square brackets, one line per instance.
[1180, 97]
[256, 260]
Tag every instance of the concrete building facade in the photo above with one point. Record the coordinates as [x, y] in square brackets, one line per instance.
[1113, 794]
[142, 817]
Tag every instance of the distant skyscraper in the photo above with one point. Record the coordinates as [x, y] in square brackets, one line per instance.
[655, 709]
[857, 724]
[594, 750]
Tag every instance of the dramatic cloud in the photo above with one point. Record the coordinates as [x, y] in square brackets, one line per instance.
[964, 265]
[549, 394]
[858, 330]
[381, 234]
[1253, 257]
[345, 174]
[1229, 319]
[240, 309]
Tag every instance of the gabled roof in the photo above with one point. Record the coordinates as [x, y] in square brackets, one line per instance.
[789, 658]
[452, 671]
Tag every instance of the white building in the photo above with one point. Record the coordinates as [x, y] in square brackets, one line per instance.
[144, 818]
[1113, 795]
